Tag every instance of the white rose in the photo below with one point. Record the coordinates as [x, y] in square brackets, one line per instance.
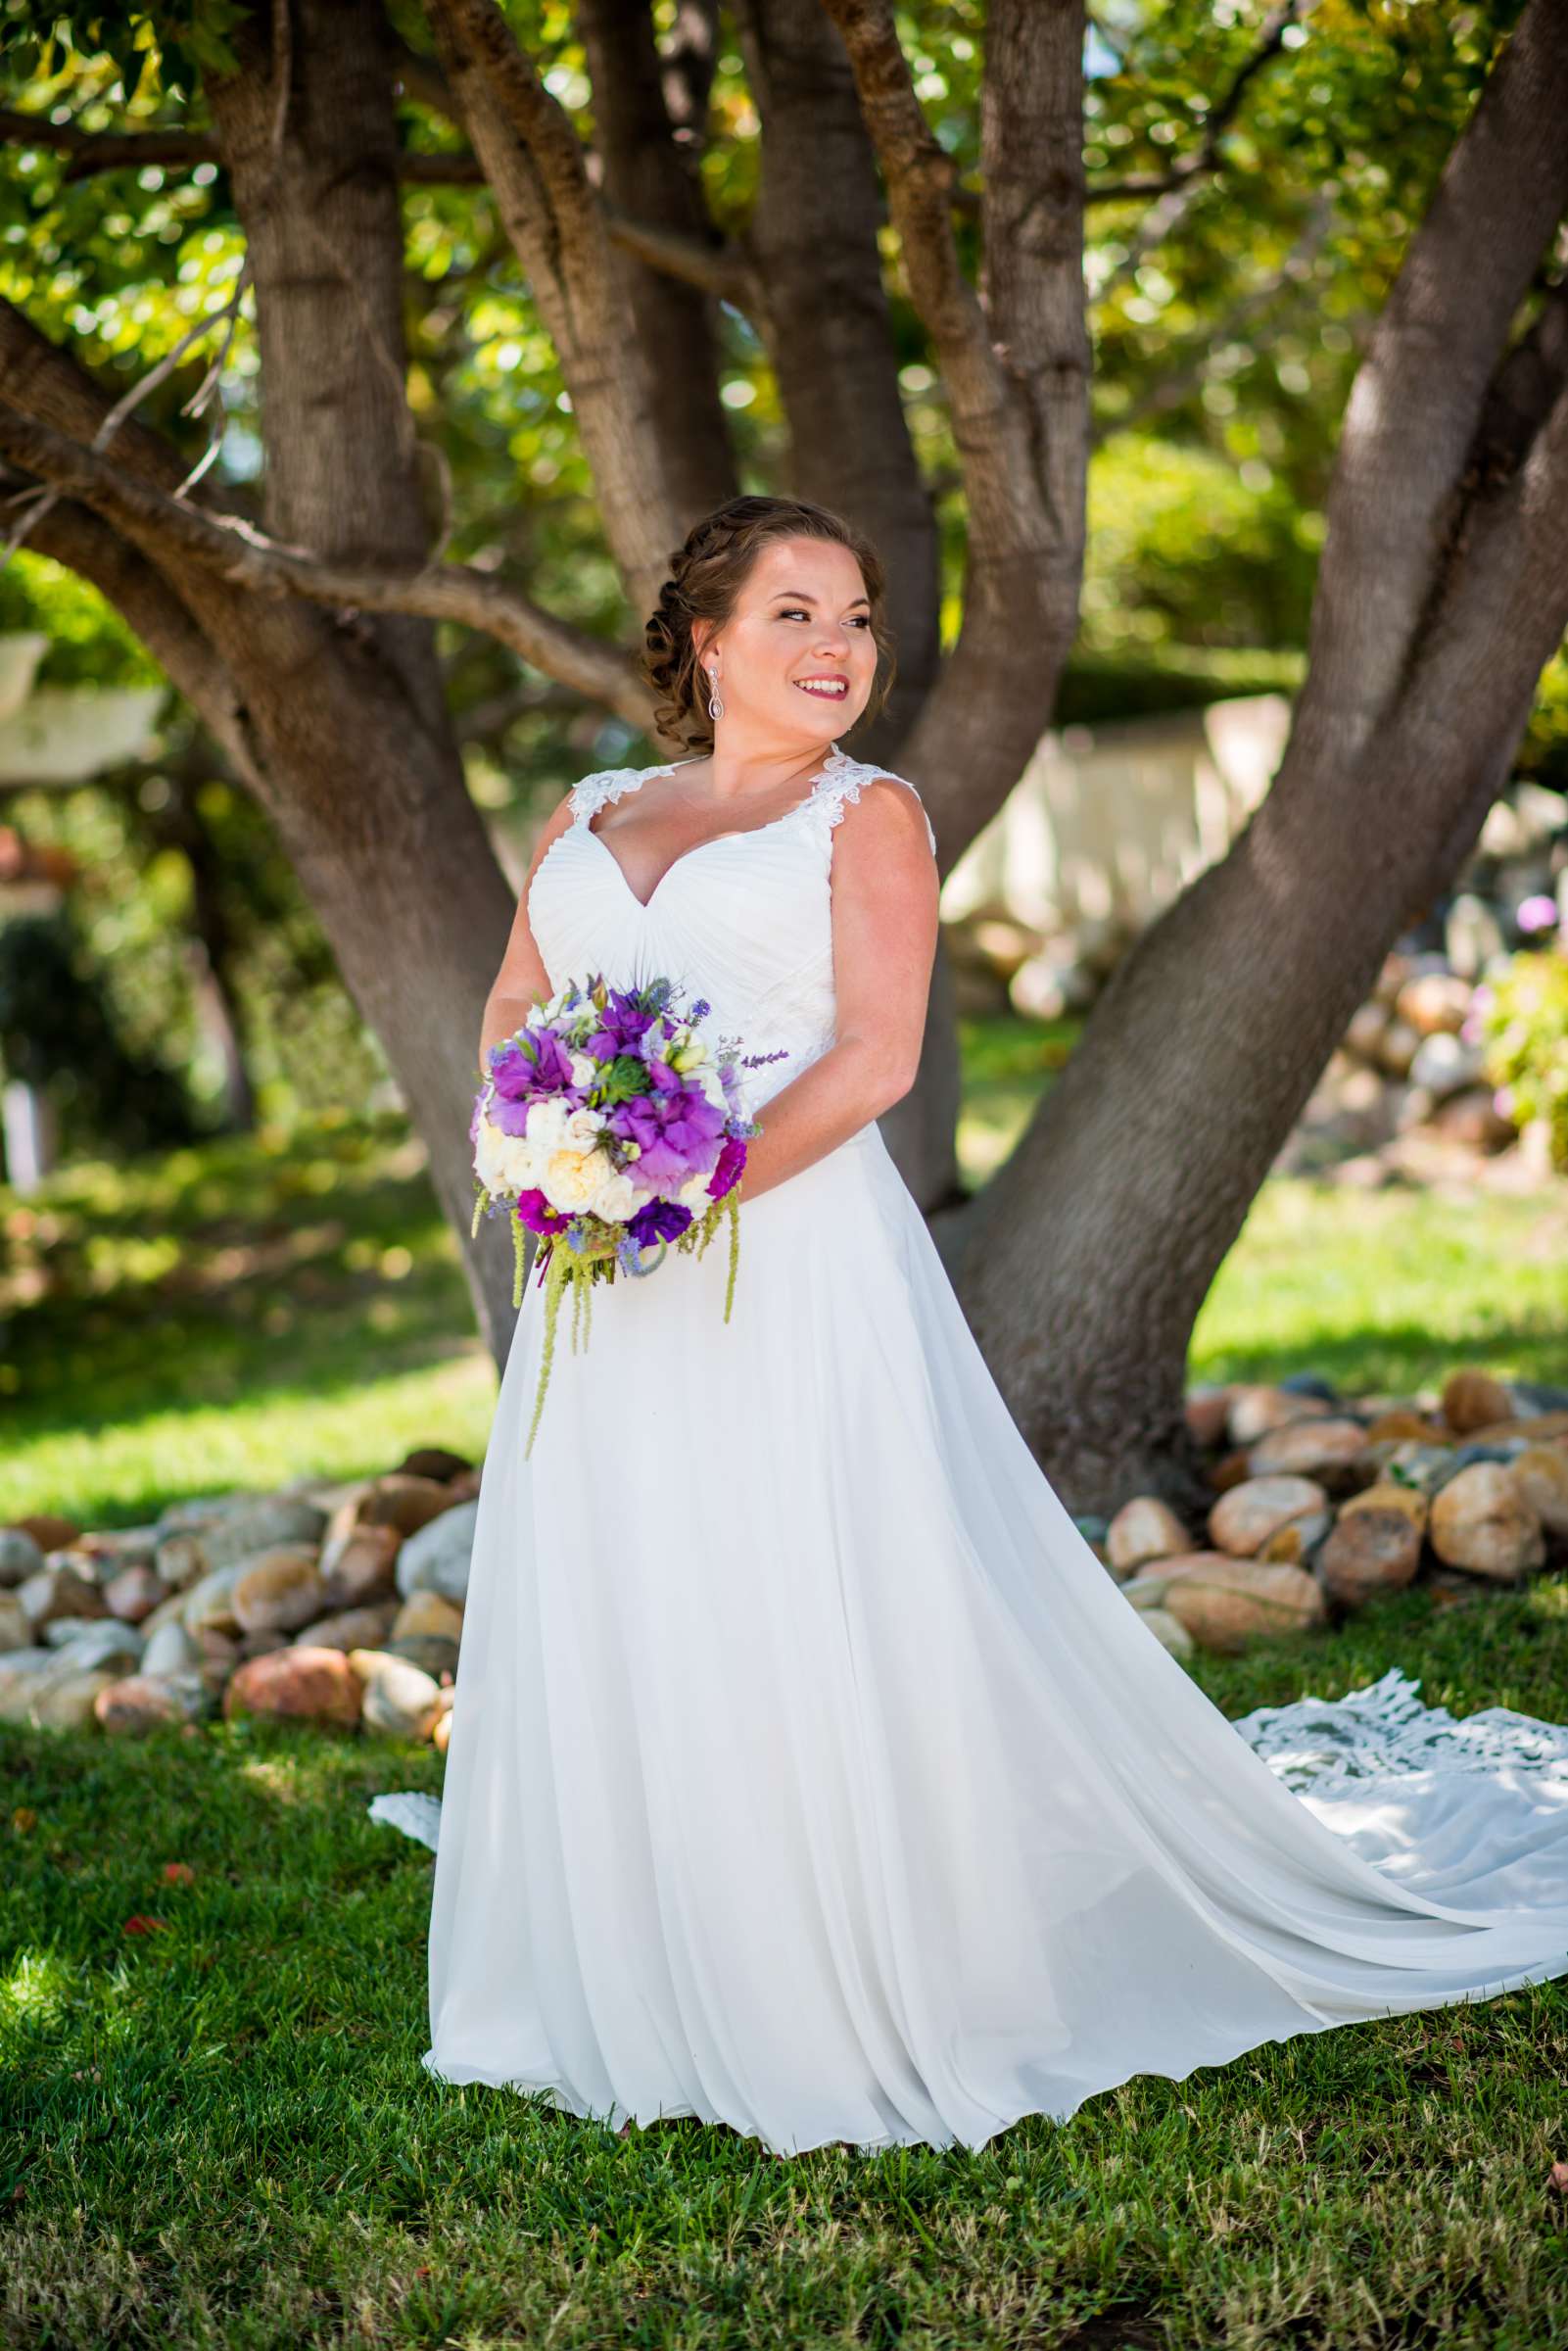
[520, 1163]
[694, 1194]
[617, 1199]
[547, 1123]
[582, 1129]
[585, 1071]
[571, 1178]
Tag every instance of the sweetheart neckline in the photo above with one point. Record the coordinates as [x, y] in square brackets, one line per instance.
[737, 832]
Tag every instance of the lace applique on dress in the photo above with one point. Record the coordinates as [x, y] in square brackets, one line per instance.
[592, 792]
[841, 779]
[1319, 1744]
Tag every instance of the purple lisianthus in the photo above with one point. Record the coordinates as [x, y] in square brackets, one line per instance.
[731, 1159]
[675, 1127]
[623, 1026]
[532, 1062]
[658, 1221]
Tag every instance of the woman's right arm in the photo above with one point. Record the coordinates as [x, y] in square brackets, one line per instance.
[522, 980]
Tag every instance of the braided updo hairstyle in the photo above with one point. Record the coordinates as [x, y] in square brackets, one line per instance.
[707, 573]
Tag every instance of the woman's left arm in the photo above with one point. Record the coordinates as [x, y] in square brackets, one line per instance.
[884, 922]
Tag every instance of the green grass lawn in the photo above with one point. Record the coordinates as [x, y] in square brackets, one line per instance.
[218, 2131]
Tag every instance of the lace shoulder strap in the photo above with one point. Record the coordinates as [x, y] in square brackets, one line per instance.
[590, 793]
[841, 782]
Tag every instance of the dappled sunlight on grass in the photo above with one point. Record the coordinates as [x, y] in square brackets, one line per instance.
[253, 1311]
[1389, 1290]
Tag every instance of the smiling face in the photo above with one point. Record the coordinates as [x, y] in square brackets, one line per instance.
[797, 658]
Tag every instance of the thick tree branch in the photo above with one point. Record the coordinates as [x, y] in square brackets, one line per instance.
[234, 551]
[536, 166]
[826, 325]
[1015, 359]
[652, 179]
[723, 269]
[1424, 387]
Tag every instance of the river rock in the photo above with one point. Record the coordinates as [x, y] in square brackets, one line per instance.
[441, 1729]
[1297, 1538]
[426, 1614]
[1168, 1630]
[1255, 1411]
[210, 1604]
[1411, 1501]
[48, 1530]
[1225, 1602]
[145, 1701]
[168, 1652]
[1208, 1414]
[399, 1700]
[1540, 1473]
[132, 1594]
[318, 1685]
[1482, 1522]
[1243, 1520]
[433, 1462]
[436, 1558]
[55, 1593]
[44, 1688]
[243, 1532]
[20, 1556]
[1472, 1399]
[428, 1650]
[100, 1642]
[350, 1628]
[15, 1626]
[1369, 1551]
[1435, 1003]
[279, 1591]
[405, 1504]
[358, 1566]
[1331, 1450]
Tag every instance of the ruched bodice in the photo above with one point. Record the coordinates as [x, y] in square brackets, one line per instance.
[743, 919]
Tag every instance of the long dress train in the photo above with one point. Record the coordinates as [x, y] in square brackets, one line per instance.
[808, 1772]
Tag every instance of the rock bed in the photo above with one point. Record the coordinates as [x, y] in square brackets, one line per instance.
[344, 1603]
[1321, 1502]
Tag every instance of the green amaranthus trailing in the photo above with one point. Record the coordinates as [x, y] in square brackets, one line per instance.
[579, 1270]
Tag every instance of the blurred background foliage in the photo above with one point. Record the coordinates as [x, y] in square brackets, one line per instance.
[1223, 355]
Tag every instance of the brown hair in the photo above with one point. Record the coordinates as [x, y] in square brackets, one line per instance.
[707, 573]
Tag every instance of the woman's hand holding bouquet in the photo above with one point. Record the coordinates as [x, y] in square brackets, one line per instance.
[609, 1124]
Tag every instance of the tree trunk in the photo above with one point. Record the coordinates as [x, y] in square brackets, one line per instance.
[1442, 592]
[360, 769]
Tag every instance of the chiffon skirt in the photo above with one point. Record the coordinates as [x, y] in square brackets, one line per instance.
[810, 1774]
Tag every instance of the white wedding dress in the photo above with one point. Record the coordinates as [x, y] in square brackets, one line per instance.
[808, 1772]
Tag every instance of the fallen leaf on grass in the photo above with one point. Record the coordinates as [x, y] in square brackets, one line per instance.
[136, 1924]
[179, 1873]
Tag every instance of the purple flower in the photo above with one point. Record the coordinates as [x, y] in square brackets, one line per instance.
[623, 1026]
[533, 1063]
[675, 1127]
[731, 1159]
[535, 1211]
[658, 1221]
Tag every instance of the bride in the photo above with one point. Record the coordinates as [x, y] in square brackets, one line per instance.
[808, 1772]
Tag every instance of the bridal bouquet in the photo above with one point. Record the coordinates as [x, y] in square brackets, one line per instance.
[609, 1124]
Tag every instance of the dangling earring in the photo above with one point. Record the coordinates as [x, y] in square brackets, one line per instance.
[715, 706]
